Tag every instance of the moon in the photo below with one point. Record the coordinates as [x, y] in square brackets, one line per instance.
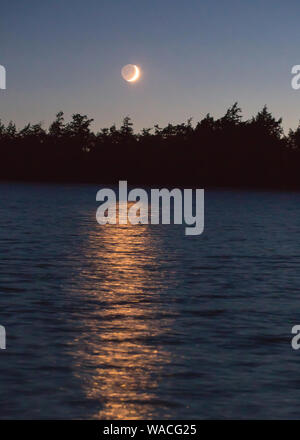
[131, 72]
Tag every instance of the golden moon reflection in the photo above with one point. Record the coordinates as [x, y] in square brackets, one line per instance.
[121, 353]
[131, 72]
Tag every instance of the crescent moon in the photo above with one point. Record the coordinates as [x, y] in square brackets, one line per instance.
[136, 75]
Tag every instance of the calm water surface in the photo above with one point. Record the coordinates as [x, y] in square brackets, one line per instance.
[120, 322]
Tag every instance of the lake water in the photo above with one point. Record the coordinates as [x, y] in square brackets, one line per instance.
[129, 322]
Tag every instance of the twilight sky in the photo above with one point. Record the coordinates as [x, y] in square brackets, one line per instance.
[197, 56]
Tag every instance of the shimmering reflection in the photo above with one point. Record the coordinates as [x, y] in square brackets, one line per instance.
[122, 353]
[143, 321]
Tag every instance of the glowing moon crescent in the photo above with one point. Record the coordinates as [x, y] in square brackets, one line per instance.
[130, 72]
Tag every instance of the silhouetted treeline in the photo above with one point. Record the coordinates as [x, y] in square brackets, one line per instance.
[214, 152]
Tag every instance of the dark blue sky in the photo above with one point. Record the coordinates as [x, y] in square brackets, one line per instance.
[197, 56]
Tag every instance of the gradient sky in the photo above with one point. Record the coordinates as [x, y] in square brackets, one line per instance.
[197, 56]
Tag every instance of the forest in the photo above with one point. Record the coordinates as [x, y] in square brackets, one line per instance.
[224, 152]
